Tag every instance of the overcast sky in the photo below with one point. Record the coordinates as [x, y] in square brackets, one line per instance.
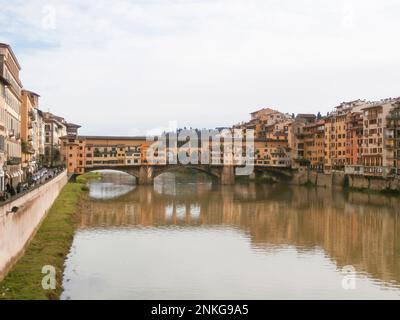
[125, 67]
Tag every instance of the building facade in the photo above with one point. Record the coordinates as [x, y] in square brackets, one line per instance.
[55, 127]
[336, 145]
[314, 144]
[380, 129]
[86, 152]
[296, 138]
[11, 116]
[354, 139]
[393, 135]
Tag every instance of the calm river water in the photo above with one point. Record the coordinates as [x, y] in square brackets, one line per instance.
[193, 240]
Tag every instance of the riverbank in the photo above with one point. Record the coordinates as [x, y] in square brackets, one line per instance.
[347, 181]
[49, 247]
[21, 217]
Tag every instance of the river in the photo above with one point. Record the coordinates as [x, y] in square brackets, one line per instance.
[185, 238]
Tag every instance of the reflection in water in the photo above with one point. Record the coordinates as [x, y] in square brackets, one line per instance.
[174, 184]
[187, 240]
[113, 184]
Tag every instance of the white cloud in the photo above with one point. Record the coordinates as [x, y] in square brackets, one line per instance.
[135, 65]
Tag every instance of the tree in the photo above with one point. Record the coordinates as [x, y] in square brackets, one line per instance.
[56, 157]
[319, 116]
[24, 146]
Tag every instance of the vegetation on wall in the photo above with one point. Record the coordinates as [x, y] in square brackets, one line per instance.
[49, 247]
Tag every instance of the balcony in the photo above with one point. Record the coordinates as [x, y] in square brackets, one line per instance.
[389, 145]
[32, 115]
[14, 161]
[393, 116]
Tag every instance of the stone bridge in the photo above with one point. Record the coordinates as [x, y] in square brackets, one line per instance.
[222, 174]
[145, 159]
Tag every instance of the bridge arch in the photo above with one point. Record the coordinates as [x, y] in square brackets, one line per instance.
[213, 174]
[277, 173]
[133, 173]
[223, 174]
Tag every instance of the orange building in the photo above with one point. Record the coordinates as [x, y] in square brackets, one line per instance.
[314, 144]
[80, 152]
[268, 123]
[30, 132]
[272, 152]
[354, 139]
[336, 134]
[296, 138]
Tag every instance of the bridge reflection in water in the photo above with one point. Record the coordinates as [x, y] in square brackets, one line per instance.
[343, 228]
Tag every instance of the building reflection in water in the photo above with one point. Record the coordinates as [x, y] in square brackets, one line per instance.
[113, 184]
[351, 228]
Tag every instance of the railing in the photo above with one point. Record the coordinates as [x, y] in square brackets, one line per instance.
[56, 172]
[14, 161]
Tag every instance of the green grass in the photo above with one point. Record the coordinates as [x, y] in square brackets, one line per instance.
[50, 246]
[85, 178]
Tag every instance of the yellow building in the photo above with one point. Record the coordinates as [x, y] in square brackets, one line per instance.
[29, 135]
[87, 152]
[10, 114]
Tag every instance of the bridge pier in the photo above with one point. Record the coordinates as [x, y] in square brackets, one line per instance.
[227, 176]
[146, 175]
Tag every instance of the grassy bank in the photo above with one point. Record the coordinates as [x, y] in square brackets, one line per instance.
[85, 178]
[50, 246]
